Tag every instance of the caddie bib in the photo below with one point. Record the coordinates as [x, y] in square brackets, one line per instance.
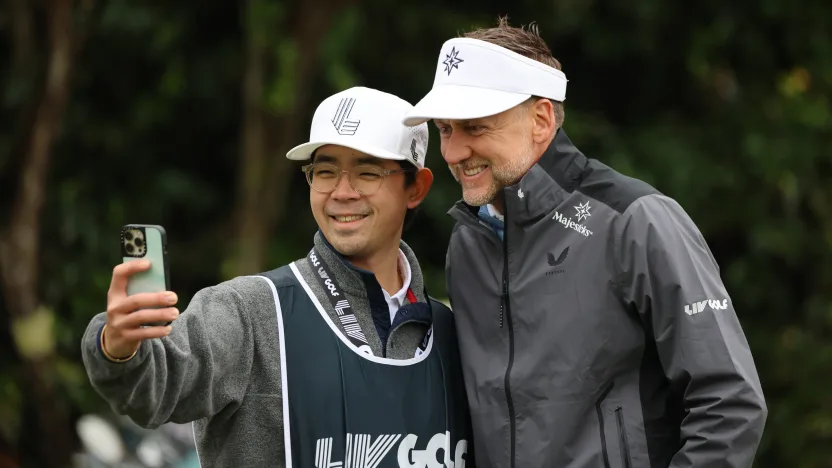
[345, 408]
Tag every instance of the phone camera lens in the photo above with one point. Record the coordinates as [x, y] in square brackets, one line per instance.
[139, 242]
[128, 235]
[129, 248]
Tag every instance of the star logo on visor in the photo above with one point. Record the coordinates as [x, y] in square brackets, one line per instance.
[452, 61]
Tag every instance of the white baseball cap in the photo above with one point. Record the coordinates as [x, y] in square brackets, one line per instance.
[369, 121]
[477, 79]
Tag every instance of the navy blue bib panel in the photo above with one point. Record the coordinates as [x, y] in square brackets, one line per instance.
[347, 409]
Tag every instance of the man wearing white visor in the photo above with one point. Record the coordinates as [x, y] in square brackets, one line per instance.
[340, 358]
[593, 325]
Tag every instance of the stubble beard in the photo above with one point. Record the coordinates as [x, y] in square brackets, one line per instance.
[502, 176]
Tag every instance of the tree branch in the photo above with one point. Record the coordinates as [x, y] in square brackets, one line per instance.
[23, 44]
[19, 245]
[19, 241]
[264, 173]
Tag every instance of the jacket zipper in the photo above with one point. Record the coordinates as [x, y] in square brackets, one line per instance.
[600, 413]
[502, 302]
[507, 308]
[622, 438]
[505, 312]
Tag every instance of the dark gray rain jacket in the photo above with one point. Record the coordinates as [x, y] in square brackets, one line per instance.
[599, 334]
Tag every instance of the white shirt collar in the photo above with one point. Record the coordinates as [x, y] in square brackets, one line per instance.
[397, 300]
[494, 213]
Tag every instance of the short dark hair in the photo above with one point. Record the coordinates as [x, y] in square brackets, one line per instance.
[525, 41]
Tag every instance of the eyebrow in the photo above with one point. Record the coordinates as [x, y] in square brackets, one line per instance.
[460, 123]
[364, 160]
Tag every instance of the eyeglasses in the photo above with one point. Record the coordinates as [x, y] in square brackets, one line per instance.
[366, 179]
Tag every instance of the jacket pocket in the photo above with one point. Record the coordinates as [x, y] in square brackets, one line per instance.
[600, 412]
[622, 438]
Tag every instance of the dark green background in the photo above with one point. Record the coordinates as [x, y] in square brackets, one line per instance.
[180, 113]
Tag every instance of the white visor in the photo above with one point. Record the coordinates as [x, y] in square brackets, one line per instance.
[477, 79]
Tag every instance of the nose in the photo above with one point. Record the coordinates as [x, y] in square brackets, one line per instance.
[344, 191]
[455, 148]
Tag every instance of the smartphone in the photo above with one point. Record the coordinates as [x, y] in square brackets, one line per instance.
[146, 241]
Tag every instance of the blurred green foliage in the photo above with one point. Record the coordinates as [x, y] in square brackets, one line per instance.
[724, 106]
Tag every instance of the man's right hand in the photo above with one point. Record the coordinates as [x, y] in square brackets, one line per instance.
[126, 314]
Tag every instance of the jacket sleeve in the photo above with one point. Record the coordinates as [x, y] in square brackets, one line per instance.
[667, 272]
[201, 368]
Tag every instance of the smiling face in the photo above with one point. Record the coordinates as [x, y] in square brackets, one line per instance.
[363, 226]
[485, 155]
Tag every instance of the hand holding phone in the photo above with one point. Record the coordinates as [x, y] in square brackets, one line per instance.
[139, 304]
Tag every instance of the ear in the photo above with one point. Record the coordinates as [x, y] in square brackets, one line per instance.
[420, 188]
[543, 115]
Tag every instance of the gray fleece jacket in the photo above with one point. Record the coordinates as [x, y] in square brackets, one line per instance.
[220, 366]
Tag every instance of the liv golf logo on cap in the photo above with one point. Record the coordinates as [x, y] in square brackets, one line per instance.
[420, 140]
[341, 120]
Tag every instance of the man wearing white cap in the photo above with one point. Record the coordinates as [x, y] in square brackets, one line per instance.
[338, 359]
[594, 328]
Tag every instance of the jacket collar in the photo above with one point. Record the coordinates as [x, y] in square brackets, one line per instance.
[363, 283]
[557, 173]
